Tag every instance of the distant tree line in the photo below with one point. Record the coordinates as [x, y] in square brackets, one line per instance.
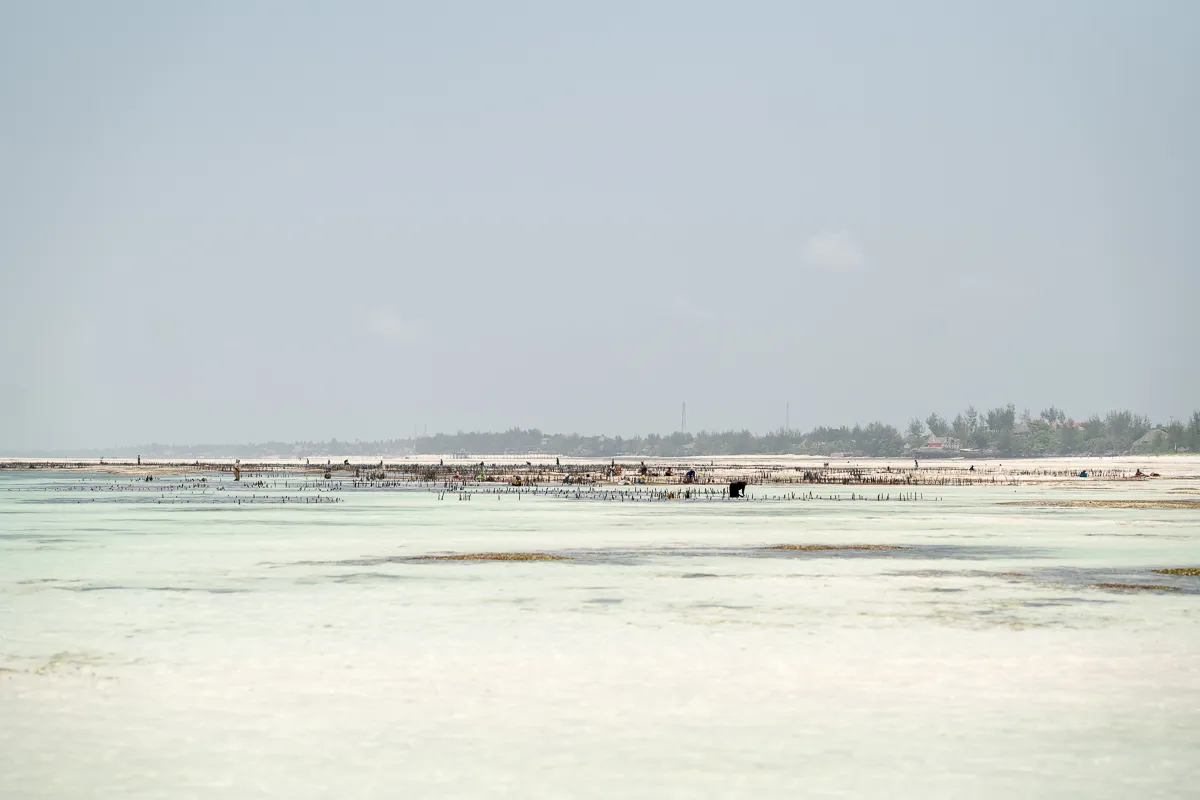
[999, 431]
[1003, 431]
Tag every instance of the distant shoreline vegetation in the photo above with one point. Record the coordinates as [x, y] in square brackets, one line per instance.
[1000, 432]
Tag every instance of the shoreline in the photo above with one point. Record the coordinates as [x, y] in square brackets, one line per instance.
[1101, 472]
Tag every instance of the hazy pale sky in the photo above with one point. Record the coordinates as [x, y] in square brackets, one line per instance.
[245, 221]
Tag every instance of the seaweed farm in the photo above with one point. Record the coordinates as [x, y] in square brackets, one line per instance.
[405, 628]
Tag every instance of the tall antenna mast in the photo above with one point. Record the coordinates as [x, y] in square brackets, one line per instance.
[683, 419]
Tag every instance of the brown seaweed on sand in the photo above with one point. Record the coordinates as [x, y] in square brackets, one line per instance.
[810, 547]
[494, 557]
[1192, 571]
[1154, 586]
[1187, 504]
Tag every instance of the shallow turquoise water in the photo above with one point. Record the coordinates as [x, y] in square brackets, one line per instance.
[197, 649]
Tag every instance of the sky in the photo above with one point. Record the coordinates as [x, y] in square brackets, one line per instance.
[249, 221]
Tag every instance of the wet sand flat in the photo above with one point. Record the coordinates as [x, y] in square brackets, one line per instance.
[165, 639]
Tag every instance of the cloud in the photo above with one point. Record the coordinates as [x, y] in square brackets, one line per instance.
[682, 308]
[386, 324]
[836, 250]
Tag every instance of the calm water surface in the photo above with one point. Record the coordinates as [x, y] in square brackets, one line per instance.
[194, 647]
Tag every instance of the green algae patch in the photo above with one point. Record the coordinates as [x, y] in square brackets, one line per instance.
[836, 547]
[1192, 571]
[494, 557]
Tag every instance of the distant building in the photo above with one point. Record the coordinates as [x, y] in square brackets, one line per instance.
[1021, 429]
[1149, 439]
[942, 443]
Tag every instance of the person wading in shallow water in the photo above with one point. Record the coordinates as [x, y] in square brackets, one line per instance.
[915, 464]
